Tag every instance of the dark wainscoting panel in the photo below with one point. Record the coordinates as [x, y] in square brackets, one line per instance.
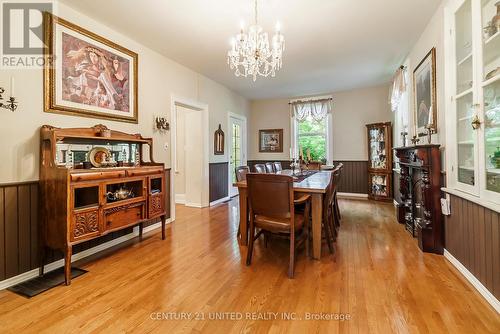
[19, 229]
[218, 180]
[472, 236]
[354, 178]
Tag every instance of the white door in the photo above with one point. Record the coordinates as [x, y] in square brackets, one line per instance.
[237, 149]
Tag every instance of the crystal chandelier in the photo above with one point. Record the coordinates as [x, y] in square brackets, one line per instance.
[251, 54]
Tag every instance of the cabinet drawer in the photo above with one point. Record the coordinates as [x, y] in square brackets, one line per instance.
[123, 215]
[144, 171]
[85, 225]
[76, 177]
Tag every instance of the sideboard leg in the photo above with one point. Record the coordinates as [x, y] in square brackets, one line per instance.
[163, 218]
[41, 260]
[140, 231]
[67, 265]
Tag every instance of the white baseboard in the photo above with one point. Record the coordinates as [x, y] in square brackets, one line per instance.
[180, 198]
[352, 195]
[474, 281]
[78, 256]
[193, 205]
[221, 200]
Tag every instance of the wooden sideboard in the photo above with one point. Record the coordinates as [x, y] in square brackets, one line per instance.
[78, 204]
[420, 188]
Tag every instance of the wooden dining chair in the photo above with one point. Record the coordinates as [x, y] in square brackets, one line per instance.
[241, 173]
[339, 169]
[277, 166]
[272, 210]
[260, 168]
[270, 167]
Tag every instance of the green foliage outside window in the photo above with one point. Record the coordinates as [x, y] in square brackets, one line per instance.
[312, 136]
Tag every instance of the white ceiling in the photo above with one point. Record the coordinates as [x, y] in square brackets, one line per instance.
[331, 45]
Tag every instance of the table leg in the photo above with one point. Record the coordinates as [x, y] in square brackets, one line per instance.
[317, 211]
[243, 217]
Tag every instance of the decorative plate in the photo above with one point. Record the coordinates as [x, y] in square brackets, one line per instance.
[99, 156]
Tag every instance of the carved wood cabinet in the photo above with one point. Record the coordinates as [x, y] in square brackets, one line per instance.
[78, 204]
[420, 188]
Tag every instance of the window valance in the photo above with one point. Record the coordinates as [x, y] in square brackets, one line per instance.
[317, 109]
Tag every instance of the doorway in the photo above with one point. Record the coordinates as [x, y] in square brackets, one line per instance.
[237, 148]
[189, 154]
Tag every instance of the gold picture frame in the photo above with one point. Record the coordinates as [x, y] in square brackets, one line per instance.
[114, 96]
[424, 94]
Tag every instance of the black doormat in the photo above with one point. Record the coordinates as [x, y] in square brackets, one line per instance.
[43, 283]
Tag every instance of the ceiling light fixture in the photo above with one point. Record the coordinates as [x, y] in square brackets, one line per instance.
[251, 53]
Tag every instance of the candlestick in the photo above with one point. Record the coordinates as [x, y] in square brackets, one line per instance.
[12, 86]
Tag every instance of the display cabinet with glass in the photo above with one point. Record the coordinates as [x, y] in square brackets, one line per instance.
[94, 181]
[473, 48]
[379, 161]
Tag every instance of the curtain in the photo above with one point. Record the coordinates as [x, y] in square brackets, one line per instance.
[316, 109]
[398, 88]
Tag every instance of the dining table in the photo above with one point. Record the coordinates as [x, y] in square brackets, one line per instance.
[315, 185]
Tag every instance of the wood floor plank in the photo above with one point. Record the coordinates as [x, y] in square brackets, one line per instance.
[378, 278]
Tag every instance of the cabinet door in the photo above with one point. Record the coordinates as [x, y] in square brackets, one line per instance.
[489, 91]
[379, 154]
[465, 170]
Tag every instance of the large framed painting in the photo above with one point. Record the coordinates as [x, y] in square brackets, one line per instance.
[271, 140]
[88, 75]
[424, 94]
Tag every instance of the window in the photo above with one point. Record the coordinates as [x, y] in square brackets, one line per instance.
[312, 135]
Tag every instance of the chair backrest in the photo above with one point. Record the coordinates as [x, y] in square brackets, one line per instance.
[329, 194]
[241, 173]
[260, 168]
[277, 166]
[270, 167]
[270, 195]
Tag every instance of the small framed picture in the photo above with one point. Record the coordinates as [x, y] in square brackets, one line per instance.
[424, 92]
[271, 140]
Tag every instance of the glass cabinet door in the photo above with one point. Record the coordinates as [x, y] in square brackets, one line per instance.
[465, 98]
[490, 90]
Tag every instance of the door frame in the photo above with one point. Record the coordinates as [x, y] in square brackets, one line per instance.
[244, 146]
[203, 108]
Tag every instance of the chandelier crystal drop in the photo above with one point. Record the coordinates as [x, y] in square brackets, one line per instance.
[252, 54]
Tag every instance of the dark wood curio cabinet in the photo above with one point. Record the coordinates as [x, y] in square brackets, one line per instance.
[80, 202]
[420, 188]
[379, 161]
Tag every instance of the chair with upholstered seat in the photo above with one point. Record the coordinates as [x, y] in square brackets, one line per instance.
[277, 166]
[270, 167]
[260, 168]
[272, 210]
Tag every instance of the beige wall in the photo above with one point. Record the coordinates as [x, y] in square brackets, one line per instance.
[432, 36]
[159, 79]
[351, 111]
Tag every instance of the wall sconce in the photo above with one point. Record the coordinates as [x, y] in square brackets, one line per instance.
[162, 123]
[11, 103]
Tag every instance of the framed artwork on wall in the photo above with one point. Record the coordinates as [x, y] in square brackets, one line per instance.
[87, 75]
[271, 140]
[424, 95]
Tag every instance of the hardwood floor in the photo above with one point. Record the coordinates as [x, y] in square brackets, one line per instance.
[378, 278]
